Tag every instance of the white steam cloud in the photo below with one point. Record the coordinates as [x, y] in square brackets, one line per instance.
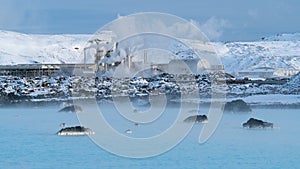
[213, 28]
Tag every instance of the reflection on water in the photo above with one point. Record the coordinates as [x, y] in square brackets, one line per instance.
[28, 140]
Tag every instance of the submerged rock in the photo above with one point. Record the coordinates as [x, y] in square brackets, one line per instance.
[71, 108]
[75, 131]
[237, 106]
[197, 119]
[255, 123]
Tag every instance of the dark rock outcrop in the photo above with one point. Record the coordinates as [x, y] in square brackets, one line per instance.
[255, 123]
[197, 119]
[75, 131]
[71, 108]
[237, 106]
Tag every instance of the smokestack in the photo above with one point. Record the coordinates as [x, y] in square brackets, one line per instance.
[145, 57]
[129, 61]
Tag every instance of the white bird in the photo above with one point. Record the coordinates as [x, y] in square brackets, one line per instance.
[128, 131]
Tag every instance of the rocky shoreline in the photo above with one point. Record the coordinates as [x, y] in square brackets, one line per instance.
[13, 88]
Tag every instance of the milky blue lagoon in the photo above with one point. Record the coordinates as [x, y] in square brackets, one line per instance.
[28, 140]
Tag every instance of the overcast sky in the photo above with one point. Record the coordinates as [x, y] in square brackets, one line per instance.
[225, 20]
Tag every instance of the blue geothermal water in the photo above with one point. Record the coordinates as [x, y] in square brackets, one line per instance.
[28, 140]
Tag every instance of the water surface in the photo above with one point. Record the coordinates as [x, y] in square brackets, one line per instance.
[28, 140]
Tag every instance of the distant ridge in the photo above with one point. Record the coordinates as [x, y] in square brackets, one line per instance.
[283, 37]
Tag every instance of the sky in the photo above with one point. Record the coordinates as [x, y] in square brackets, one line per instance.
[230, 20]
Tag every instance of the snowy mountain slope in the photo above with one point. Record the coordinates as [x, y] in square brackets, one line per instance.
[278, 52]
[238, 56]
[17, 48]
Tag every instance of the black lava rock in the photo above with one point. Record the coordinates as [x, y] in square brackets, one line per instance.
[71, 108]
[237, 106]
[255, 123]
[77, 130]
[197, 119]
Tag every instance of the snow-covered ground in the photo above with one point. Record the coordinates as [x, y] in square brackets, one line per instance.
[281, 52]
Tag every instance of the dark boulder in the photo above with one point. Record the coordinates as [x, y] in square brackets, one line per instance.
[197, 119]
[237, 106]
[255, 123]
[71, 108]
[77, 130]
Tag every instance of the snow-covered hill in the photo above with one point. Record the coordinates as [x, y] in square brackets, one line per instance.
[17, 48]
[283, 37]
[239, 56]
[280, 52]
